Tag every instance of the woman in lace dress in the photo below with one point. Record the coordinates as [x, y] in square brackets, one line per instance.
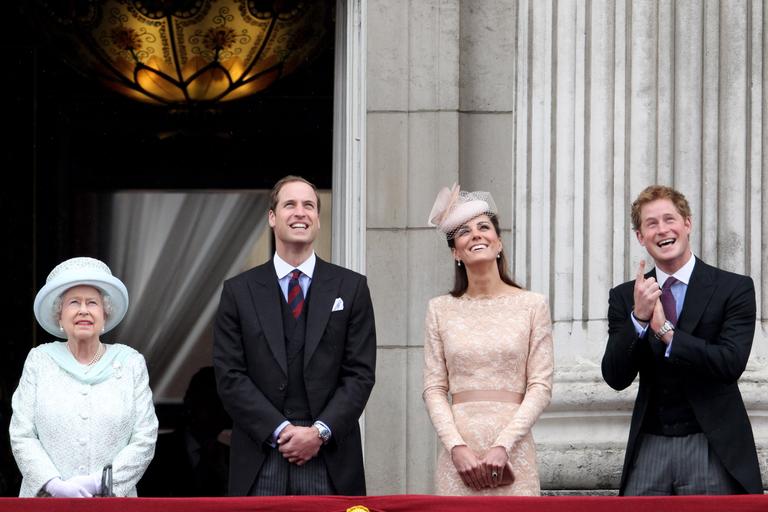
[488, 359]
[82, 404]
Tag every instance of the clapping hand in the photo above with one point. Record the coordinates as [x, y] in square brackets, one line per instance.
[646, 295]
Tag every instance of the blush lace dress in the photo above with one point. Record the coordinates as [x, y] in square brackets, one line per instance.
[492, 343]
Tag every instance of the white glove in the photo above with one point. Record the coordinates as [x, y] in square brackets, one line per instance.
[90, 483]
[60, 489]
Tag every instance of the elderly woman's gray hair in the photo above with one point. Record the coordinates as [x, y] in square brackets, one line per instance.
[106, 302]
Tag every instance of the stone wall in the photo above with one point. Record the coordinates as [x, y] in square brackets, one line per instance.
[564, 110]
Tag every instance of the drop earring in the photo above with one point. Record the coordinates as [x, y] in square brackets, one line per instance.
[458, 263]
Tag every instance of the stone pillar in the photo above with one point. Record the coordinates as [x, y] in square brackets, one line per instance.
[412, 147]
[564, 110]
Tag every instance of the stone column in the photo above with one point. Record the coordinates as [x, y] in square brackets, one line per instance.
[412, 146]
[564, 110]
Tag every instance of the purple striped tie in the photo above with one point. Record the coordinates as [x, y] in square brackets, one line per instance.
[295, 295]
[668, 300]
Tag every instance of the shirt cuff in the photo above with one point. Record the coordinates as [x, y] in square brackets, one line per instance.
[639, 329]
[669, 347]
[326, 426]
[276, 433]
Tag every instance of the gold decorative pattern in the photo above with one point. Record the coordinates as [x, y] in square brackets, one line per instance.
[191, 51]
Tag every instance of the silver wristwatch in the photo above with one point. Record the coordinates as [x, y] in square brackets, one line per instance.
[664, 329]
[322, 432]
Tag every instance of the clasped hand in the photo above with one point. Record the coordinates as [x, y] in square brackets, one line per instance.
[477, 472]
[647, 297]
[80, 486]
[299, 444]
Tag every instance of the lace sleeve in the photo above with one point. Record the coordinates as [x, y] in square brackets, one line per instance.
[436, 385]
[539, 370]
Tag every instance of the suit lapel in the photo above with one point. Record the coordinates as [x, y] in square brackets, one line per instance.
[697, 296]
[323, 293]
[264, 290]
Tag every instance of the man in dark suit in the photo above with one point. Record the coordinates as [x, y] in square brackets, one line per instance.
[294, 353]
[686, 327]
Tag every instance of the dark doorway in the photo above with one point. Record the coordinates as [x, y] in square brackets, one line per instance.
[70, 143]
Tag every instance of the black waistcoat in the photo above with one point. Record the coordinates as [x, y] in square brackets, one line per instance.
[669, 413]
[296, 406]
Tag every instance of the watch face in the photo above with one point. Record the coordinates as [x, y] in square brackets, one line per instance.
[323, 432]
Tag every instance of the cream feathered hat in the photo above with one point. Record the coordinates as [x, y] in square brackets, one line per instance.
[77, 272]
[453, 207]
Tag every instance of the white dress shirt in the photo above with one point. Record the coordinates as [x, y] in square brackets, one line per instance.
[283, 270]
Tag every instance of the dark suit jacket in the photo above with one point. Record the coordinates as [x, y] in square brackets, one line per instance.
[710, 349]
[251, 368]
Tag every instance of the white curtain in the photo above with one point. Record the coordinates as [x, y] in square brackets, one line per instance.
[173, 251]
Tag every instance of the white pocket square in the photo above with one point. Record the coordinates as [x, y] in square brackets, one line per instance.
[338, 305]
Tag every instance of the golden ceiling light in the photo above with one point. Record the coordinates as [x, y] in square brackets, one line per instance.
[191, 52]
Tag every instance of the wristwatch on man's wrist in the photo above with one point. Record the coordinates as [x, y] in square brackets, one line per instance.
[664, 329]
[322, 432]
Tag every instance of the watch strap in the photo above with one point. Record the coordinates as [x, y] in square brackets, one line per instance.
[664, 329]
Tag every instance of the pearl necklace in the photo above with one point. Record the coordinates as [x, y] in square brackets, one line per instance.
[96, 356]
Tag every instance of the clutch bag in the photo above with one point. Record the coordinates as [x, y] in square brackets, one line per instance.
[507, 477]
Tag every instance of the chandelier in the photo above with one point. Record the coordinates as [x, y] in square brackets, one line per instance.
[189, 52]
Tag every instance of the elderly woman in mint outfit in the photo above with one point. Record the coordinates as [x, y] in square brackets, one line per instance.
[82, 404]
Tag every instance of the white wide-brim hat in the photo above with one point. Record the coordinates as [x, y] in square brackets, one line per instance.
[80, 272]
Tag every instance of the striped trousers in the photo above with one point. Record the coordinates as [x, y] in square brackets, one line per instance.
[665, 466]
[278, 477]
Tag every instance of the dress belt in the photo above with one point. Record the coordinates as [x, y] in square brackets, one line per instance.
[487, 395]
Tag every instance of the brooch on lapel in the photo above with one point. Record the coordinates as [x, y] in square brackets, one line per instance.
[117, 369]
